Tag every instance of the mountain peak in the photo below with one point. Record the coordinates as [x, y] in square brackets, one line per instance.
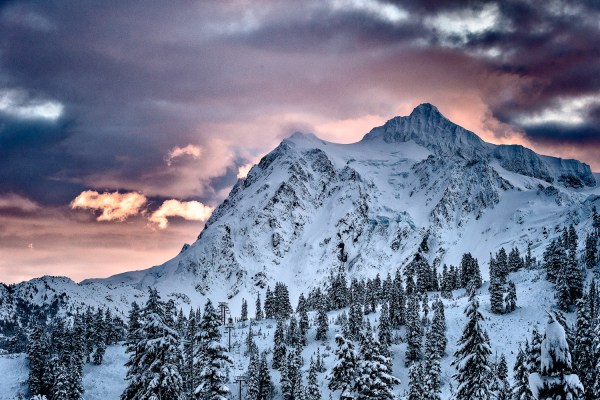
[427, 109]
[427, 127]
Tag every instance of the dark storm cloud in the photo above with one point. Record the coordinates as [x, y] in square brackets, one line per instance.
[140, 80]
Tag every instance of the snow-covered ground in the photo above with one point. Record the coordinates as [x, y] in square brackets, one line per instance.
[535, 297]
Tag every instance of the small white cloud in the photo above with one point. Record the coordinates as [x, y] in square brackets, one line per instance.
[15, 201]
[243, 170]
[17, 104]
[381, 9]
[189, 210]
[465, 22]
[114, 206]
[571, 111]
[189, 150]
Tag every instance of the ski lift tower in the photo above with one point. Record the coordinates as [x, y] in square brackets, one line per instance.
[224, 308]
[241, 379]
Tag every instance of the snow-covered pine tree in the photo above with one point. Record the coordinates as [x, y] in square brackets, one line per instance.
[99, 353]
[269, 306]
[322, 324]
[244, 312]
[502, 389]
[520, 388]
[414, 331]
[37, 354]
[515, 262]
[258, 314]
[529, 259]
[189, 345]
[472, 357]
[343, 373]
[279, 348]
[496, 295]
[470, 274]
[534, 353]
[555, 380]
[374, 379]
[591, 251]
[155, 358]
[502, 264]
[312, 391]
[134, 326]
[265, 385]
[355, 321]
[385, 330]
[302, 318]
[554, 257]
[584, 362]
[438, 329]
[213, 358]
[253, 377]
[398, 302]
[562, 290]
[416, 385]
[432, 370]
[510, 301]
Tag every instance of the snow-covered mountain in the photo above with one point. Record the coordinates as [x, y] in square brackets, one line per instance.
[311, 206]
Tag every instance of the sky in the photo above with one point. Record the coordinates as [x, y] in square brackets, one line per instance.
[124, 123]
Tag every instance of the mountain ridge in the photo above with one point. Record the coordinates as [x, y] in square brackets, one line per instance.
[310, 207]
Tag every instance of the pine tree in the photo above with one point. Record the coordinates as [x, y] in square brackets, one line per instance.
[496, 296]
[555, 380]
[265, 384]
[37, 354]
[515, 262]
[343, 372]
[520, 389]
[258, 315]
[583, 353]
[322, 324]
[253, 377]
[99, 353]
[134, 326]
[534, 355]
[431, 368]
[302, 318]
[190, 344]
[438, 329]
[414, 331]
[529, 259]
[511, 298]
[244, 313]
[385, 330]
[591, 251]
[502, 391]
[313, 392]
[279, 348]
[155, 358]
[373, 374]
[212, 356]
[269, 307]
[472, 357]
[355, 321]
[416, 386]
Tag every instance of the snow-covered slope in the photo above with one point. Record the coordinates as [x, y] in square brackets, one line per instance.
[311, 206]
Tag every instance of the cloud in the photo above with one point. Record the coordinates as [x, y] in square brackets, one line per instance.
[114, 206]
[189, 150]
[189, 210]
[243, 170]
[17, 104]
[16, 202]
